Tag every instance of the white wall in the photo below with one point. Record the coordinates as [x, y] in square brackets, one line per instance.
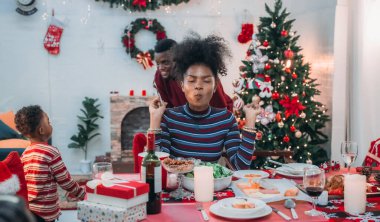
[86, 68]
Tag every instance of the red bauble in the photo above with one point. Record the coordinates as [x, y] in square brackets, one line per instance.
[292, 129]
[286, 139]
[284, 33]
[259, 135]
[143, 22]
[288, 54]
[294, 75]
[266, 43]
[288, 70]
[267, 66]
[275, 95]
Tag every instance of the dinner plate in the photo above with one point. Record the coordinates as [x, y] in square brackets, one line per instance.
[219, 211]
[227, 203]
[242, 174]
[287, 171]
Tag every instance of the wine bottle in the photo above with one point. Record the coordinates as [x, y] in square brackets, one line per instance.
[151, 174]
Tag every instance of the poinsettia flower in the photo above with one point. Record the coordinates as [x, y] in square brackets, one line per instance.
[160, 35]
[292, 106]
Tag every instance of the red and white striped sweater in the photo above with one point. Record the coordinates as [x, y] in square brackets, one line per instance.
[44, 169]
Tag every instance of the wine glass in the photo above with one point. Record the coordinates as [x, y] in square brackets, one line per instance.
[98, 169]
[314, 183]
[349, 152]
[179, 166]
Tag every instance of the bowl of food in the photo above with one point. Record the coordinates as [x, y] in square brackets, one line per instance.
[179, 164]
[222, 177]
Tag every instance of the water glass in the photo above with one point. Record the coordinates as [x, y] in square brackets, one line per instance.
[349, 152]
[99, 168]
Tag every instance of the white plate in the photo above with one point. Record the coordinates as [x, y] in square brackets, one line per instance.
[219, 211]
[227, 203]
[241, 173]
[286, 171]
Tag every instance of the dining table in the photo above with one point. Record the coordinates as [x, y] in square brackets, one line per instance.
[184, 209]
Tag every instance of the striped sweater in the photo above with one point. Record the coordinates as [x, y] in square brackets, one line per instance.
[44, 168]
[203, 135]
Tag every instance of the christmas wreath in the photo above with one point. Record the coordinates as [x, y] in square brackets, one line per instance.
[142, 5]
[128, 39]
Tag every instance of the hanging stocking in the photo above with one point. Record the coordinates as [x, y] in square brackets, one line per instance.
[246, 33]
[53, 36]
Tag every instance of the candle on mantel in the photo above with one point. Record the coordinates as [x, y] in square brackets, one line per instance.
[355, 197]
[203, 184]
[143, 92]
[131, 92]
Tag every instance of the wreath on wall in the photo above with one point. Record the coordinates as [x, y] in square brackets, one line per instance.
[143, 5]
[128, 39]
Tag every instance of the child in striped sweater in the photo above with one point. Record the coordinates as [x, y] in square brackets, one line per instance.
[43, 166]
[196, 129]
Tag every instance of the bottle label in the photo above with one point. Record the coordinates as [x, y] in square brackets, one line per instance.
[143, 174]
[157, 179]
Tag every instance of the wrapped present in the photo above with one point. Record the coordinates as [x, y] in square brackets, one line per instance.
[123, 190]
[88, 211]
[117, 202]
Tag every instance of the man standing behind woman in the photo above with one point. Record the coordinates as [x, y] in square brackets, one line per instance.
[197, 129]
[168, 87]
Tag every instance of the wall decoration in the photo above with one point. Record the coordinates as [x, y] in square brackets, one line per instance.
[53, 36]
[128, 39]
[143, 5]
[26, 7]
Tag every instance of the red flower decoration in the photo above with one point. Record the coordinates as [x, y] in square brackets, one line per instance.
[140, 3]
[292, 106]
[160, 35]
[129, 43]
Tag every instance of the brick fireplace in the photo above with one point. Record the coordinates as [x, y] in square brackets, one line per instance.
[129, 115]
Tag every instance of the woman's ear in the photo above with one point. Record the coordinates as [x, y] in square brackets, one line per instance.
[182, 85]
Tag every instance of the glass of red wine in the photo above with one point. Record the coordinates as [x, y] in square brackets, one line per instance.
[314, 183]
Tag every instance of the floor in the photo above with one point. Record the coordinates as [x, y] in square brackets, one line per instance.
[68, 216]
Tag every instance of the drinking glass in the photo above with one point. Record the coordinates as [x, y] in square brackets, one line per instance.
[349, 152]
[99, 168]
[314, 183]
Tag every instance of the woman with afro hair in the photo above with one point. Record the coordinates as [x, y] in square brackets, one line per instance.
[197, 129]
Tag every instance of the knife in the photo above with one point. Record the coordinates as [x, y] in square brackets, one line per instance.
[286, 217]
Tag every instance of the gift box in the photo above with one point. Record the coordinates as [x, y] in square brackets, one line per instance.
[124, 190]
[95, 212]
[117, 202]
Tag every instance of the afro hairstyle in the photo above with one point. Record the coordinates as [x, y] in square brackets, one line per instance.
[28, 119]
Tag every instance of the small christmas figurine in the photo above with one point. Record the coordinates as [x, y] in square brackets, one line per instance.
[337, 166]
[332, 165]
[326, 167]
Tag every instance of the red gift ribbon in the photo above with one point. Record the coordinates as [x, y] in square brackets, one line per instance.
[145, 59]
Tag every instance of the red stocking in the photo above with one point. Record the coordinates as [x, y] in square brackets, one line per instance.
[246, 33]
[53, 36]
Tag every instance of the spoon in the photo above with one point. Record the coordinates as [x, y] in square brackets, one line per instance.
[290, 204]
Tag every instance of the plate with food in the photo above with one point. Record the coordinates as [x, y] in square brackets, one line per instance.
[295, 170]
[222, 177]
[240, 208]
[251, 174]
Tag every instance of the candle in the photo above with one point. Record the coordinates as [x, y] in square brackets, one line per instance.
[143, 92]
[203, 184]
[171, 181]
[309, 161]
[355, 194]
[131, 92]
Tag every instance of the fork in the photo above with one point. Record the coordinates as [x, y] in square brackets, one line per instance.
[200, 208]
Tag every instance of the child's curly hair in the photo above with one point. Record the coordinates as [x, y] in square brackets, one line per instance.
[210, 51]
[28, 118]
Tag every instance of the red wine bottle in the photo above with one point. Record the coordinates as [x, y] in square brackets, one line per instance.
[151, 174]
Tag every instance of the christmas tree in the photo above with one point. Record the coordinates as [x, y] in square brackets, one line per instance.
[275, 76]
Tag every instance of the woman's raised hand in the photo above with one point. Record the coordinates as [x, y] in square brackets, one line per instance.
[156, 110]
[251, 111]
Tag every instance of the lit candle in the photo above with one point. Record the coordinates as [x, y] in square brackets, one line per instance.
[131, 92]
[355, 197]
[171, 181]
[203, 184]
[143, 92]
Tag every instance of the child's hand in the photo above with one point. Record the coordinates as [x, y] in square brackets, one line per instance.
[156, 110]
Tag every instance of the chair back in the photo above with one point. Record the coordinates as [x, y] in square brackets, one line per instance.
[373, 156]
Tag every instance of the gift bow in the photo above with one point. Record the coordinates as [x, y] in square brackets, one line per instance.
[258, 61]
[108, 180]
[266, 116]
[145, 59]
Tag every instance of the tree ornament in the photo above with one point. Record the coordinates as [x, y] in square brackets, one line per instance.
[281, 124]
[291, 34]
[276, 61]
[284, 33]
[267, 66]
[286, 139]
[298, 134]
[265, 43]
[292, 106]
[288, 54]
[294, 75]
[275, 95]
[288, 70]
[278, 117]
[266, 116]
[128, 39]
[292, 128]
[270, 136]
[303, 115]
[238, 85]
[258, 61]
[259, 135]
[273, 25]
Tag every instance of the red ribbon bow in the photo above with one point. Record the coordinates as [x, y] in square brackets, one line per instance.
[145, 59]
